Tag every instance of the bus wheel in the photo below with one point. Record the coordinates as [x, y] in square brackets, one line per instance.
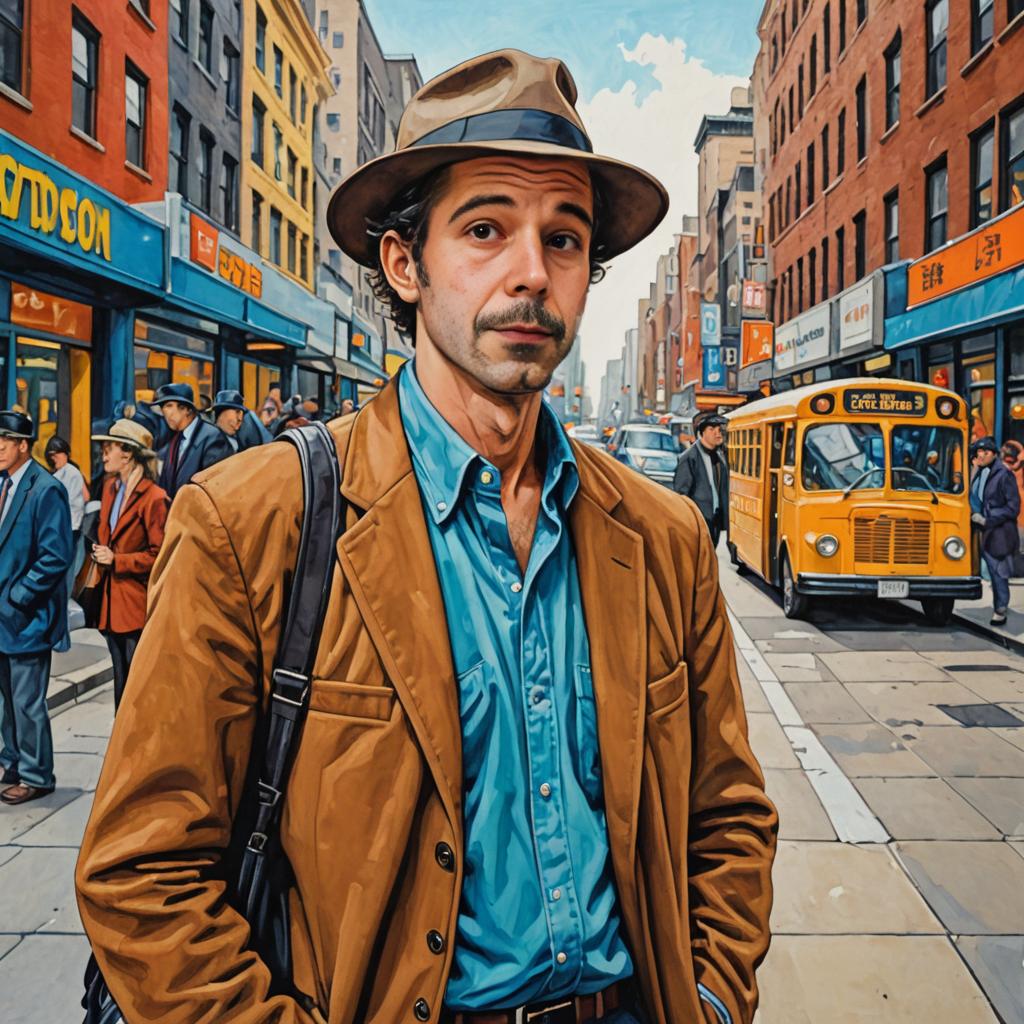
[938, 610]
[794, 604]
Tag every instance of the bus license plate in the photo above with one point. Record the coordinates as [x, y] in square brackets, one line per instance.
[893, 588]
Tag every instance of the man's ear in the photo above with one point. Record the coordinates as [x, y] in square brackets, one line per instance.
[399, 266]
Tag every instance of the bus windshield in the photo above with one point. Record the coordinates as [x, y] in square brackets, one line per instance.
[927, 459]
[837, 456]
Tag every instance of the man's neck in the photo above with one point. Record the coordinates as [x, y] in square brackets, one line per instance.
[500, 428]
[708, 448]
[19, 465]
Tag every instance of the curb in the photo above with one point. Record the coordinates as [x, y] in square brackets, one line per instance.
[72, 686]
[1009, 643]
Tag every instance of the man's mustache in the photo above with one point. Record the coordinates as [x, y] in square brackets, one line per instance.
[531, 313]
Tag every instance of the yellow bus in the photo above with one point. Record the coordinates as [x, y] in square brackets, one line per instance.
[854, 488]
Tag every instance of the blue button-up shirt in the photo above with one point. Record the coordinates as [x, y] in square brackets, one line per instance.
[539, 915]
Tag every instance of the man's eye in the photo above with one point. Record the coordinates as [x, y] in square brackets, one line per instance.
[483, 232]
[565, 242]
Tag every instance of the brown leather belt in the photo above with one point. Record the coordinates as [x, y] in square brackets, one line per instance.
[572, 1010]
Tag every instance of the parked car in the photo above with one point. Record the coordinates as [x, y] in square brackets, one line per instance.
[587, 433]
[648, 448]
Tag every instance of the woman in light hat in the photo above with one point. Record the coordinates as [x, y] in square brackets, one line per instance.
[131, 530]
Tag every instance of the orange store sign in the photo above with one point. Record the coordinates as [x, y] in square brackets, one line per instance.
[758, 341]
[990, 250]
[208, 250]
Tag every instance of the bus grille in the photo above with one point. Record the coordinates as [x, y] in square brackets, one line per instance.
[892, 540]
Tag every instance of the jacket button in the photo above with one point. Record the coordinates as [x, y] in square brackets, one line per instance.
[435, 941]
[421, 1008]
[445, 857]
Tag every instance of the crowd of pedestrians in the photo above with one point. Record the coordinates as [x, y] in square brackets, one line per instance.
[62, 536]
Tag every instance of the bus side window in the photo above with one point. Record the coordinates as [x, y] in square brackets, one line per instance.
[790, 457]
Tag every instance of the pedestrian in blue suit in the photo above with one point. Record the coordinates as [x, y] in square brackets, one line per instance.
[35, 552]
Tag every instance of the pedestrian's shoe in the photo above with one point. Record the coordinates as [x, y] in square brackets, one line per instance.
[22, 793]
[998, 617]
[9, 777]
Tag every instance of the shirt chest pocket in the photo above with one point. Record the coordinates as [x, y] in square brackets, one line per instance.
[586, 748]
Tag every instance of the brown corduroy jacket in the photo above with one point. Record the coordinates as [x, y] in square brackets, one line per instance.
[376, 786]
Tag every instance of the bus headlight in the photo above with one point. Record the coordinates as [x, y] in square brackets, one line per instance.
[826, 545]
[954, 548]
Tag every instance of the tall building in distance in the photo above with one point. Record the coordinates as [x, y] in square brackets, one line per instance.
[284, 82]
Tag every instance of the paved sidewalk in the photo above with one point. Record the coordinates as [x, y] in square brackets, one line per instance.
[77, 672]
[980, 612]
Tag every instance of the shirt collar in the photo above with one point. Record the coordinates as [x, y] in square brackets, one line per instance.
[186, 434]
[442, 460]
[16, 476]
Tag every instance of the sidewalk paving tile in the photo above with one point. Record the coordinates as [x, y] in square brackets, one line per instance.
[754, 699]
[63, 828]
[1018, 847]
[7, 943]
[39, 891]
[871, 749]
[956, 751]
[974, 888]
[769, 742]
[798, 667]
[826, 702]
[998, 964]
[42, 977]
[1000, 800]
[15, 821]
[78, 657]
[801, 815]
[883, 666]
[990, 656]
[924, 809]
[841, 889]
[895, 704]
[77, 771]
[996, 687]
[846, 979]
[747, 601]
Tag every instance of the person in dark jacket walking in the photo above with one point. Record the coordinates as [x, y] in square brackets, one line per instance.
[995, 505]
[702, 472]
[35, 552]
[195, 444]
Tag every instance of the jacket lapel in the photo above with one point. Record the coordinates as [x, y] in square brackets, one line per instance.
[610, 561]
[389, 564]
[124, 519]
[18, 501]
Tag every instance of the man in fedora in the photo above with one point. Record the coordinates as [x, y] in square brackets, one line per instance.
[229, 415]
[523, 788]
[702, 472]
[35, 553]
[195, 444]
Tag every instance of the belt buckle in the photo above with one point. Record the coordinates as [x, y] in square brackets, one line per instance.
[523, 1015]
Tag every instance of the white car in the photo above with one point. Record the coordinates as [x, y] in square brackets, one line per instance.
[648, 448]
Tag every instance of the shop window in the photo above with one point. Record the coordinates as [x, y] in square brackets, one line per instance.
[205, 47]
[892, 227]
[259, 113]
[1013, 158]
[85, 46]
[982, 18]
[980, 380]
[937, 206]
[136, 87]
[12, 30]
[937, 21]
[157, 364]
[53, 314]
[982, 151]
[893, 79]
[1015, 388]
[261, 40]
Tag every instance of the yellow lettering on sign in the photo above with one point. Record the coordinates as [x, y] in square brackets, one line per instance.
[68, 217]
[10, 197]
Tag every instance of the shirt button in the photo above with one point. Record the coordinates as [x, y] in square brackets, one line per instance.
[442, 505]
[545, 790]
[516, 587]
[421, 1008]
[486, 477]
[561, 958]
[556, 894]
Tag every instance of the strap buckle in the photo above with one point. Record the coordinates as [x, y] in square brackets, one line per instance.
[266, 790]
[290, 679]
[523, 1015]
[257, 842]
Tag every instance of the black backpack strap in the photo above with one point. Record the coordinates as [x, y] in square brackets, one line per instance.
[322, 520]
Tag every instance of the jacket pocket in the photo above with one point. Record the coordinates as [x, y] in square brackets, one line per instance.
[667, 693]
[353, 700]
[588, 759]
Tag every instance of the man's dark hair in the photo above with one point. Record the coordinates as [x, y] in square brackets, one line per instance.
[409, 215]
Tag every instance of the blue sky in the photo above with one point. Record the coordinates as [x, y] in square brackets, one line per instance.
[584, 33]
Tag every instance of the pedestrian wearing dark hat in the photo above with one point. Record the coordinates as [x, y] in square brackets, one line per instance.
[702, 472]
[35, 553]
[131, 532]
[524, 788]
[229, 415]
[195, 444]
[995, 505]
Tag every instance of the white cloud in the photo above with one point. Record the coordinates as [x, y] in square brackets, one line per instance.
[656, 134]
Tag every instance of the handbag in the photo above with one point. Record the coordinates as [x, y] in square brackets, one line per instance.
[88, 591]
[258, 872]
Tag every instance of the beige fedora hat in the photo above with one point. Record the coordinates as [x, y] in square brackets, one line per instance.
[131, 433]
[503, 102]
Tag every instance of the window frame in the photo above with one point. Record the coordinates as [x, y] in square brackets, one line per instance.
[134, 74]
[860, 244]
[256, 222]
[1007, 117]
[982, 10]
[204, 159]
[826, 39]
[931, 175]
[258, 154]
[260, 54]
[825, 179]
[204, 37]
[977, 139]
[179, 14]
[893, 80]
[232, 83]
[274, 240]
[861, 98]
[228, 187]
[841, 143]
[17, 33]
[936, 48]
[278, 71]
[81, 24]
[182, 120]
[891, 206]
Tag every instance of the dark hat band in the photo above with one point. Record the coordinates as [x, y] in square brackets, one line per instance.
[524, 125]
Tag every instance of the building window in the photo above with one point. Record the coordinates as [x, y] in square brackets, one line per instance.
[179, 20]
[800, 92]
[181, 126]
[798, 191]
[810, 174]
[862, 118]
[775, 53]
[278, 144]
[842, 25]
[893, 76]
[292, 237]
[135, 89]
[1013, 9]
[278, 72]
[323, 29]
[792, 110]
[982, 16]
[789, 191]
[862, 12]
[12, 29]
[261, 40]
[812, 277]
[793, 14]
[825, 179]
[1013, 158]
[205, 170]
[205, 53]
[800, 285]
[229, 191]
[304, 192]
[982, 160]
[841, 143]
[334, 122]
[293, 95]
[937, 206]
[860, 230]
[304, 257]
[85, 45]
[259, 115]
[303, 102]
[275, 236]
[336, 166]
[824, 268]
[826, 40]
[892, 227]
[937, 17]
[782, 21]
[293, 164]
[257, 222]
[229, 73]
[812, 85]
[338, 40]
[840, 259]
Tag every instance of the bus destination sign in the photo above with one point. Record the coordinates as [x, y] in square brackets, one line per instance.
[884, 402]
